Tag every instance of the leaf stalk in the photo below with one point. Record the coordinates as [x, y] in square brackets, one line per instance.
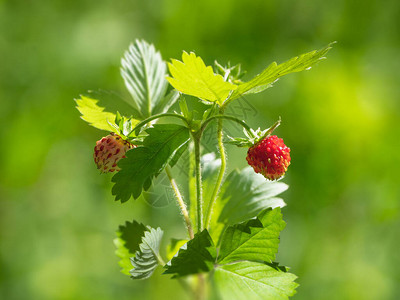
[199, 191]
[222, 116]
[180, 201]
[221, 173]
[148, 120]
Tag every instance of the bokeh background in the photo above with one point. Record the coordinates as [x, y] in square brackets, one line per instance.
[341, 120]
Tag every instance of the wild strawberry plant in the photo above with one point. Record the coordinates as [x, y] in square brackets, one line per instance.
[234, 220]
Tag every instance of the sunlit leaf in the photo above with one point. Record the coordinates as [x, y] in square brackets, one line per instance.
[274, 71]
[95, 115]
[193, 77]
[144, 71]
[174, 247]
[144, 162]
[256, 239]
[114, 101]
[253, 281]
[147, 258]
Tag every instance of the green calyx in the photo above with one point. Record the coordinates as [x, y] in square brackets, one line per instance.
[253, 136]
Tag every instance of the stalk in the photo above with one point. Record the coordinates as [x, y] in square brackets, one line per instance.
[222, 169]
[201, 292]
[199, 192]
[144, 122]
[181, 203]
[220, 116]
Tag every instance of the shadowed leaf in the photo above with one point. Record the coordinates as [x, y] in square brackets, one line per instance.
[143, 163]
[196, 256]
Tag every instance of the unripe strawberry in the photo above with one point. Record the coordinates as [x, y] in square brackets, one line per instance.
[109, 150]
[270, 157]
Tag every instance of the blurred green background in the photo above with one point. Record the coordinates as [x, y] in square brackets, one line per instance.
[341, 120]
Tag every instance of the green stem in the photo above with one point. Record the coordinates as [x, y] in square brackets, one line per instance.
[161, 262]
[201, 287]
[222, 169]
[144, 122]
[181, 203]
[240, 122]
[199, 192]
[192, 183]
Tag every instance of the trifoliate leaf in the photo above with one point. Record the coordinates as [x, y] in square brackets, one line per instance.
[274, 71]
[95, 115]
[253, 281]
[197, 256]
[144, 162]
[129, 236]
[143, 71]
[147, 258]
[256, 239]
[193, 77]
[174, 247]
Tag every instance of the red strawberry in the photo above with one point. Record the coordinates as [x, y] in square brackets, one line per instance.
[269, 157]
[109, 150]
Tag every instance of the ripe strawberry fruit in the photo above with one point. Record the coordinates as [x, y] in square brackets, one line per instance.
[109, 150]
[270, 157]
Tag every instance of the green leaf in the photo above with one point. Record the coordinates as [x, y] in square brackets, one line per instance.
[193, 77]
[274, 71]
[114, 102]
[256, 239]
[178, 154]
[147, 258]
[245, 193]
[196, 256]
[95, 115]
[143, 71]
[253, 281]
[129, 236]
[143, 163]
[174, 247]
[210, 166]
[166, 102]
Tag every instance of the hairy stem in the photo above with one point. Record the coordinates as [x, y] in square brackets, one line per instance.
[181, 203]
[192, 184]
[199, 192]
[222, 169]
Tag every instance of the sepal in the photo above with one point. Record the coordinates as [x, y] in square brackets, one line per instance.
[252, 136]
